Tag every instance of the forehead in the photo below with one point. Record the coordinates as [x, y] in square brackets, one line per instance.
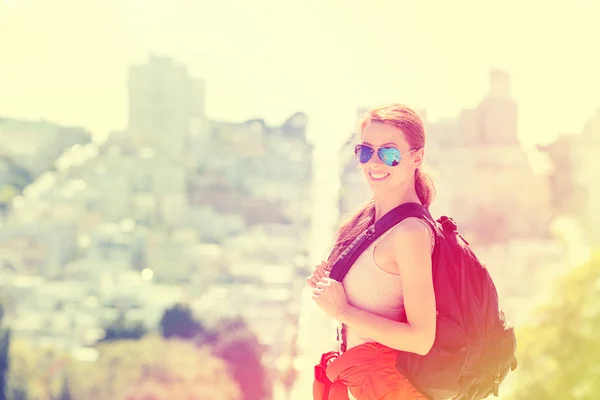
[377, 133]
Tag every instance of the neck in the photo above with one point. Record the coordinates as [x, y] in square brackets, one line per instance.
[387, 201]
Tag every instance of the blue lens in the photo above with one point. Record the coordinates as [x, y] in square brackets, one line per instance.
[389, 155]
[363, 153]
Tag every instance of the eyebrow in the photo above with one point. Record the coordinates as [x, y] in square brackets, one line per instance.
[385, 144]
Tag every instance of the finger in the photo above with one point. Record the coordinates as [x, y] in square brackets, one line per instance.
[312, 282]
[322, 284]
[321, 272]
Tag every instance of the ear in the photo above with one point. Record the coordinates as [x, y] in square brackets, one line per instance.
[417, 157]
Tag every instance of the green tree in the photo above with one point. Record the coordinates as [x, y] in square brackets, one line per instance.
[152, 368]
[121, 329]
[4, 360]
[179, 321]
[4, 355]
[559, 353]
[34, 370]
[65, 391]
[7, 194]
[235, 343]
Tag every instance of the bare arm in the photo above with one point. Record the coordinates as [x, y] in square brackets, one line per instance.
[412, 254]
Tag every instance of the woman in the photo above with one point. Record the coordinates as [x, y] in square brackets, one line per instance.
[391, 281]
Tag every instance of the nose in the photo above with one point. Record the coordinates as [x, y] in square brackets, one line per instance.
[374, 160]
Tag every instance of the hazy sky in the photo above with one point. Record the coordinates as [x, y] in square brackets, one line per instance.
[66, 60]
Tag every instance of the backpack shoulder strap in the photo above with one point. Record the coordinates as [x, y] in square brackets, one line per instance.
[344, 262]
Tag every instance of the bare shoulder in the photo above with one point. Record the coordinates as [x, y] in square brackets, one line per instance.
[412, 228]
[411, 235]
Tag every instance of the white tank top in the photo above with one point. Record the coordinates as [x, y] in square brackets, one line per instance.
[374, 290]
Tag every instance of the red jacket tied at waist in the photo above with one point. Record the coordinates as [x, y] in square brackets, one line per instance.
[368, 371]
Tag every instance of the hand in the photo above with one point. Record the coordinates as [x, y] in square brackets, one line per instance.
[319, 273]
[331, 297]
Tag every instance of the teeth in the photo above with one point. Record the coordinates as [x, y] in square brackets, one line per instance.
[378, 176]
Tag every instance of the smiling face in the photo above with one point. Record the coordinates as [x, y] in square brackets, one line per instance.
[380, 176]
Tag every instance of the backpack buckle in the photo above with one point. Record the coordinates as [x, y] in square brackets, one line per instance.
[448, 223]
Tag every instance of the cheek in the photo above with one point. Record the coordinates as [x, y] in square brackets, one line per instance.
[401, 173]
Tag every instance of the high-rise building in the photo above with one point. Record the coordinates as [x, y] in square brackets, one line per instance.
[165, 102]
[498, 113]
[575, 173]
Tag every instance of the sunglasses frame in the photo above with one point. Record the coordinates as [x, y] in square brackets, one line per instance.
[375, 150]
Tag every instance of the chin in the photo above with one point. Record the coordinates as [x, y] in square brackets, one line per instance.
[384, 184]
[383, 187]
